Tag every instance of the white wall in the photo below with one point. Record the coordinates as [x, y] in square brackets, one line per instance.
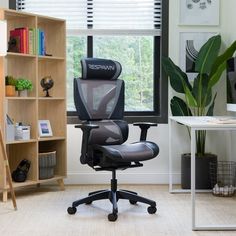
[4, 3]
[156, 170]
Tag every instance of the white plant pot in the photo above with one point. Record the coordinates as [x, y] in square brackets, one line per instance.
[23, 93]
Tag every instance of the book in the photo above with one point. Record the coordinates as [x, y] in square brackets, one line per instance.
[31, 41]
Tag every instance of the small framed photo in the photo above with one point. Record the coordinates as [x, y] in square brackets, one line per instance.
[44, 128]
[199, 12]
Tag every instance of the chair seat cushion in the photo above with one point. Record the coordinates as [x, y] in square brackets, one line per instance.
[139, 151]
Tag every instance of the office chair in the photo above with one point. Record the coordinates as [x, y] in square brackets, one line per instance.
[99, 101]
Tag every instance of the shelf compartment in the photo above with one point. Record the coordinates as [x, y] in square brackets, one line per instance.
[23, 67]
[18, 20]
[18, 152]
[54, 111]
[55, 69]
[54, 35]
[24, 111]
[60, 147]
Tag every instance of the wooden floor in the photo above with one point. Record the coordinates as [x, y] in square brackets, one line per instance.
[42, 211]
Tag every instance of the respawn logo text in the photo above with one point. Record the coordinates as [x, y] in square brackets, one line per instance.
[100, 67]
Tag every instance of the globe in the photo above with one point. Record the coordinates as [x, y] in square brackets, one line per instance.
[47, 83]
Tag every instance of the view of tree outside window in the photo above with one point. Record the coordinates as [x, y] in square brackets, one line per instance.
[135, 53]
[76, 49]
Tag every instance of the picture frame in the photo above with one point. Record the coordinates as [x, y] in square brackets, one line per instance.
[44, 128]
[199, 12]
[190, 44]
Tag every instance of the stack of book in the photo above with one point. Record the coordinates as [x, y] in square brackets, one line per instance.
[27, 40]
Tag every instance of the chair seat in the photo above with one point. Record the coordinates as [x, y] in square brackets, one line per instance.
[139, 151]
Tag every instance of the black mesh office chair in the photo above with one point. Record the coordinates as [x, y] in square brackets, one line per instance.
[99, 101]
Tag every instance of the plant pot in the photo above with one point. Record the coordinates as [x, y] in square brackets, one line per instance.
[202, 170]
[23, 93]
[10, 91]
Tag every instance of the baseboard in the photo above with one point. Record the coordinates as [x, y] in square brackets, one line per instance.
[123, 178]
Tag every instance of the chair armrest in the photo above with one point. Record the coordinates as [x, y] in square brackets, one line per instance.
[144, 126]
[86, 129]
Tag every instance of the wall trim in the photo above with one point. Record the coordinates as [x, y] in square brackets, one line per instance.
[123, 178]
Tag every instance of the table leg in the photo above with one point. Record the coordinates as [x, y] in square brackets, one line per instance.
[193, 148]
[170, 157]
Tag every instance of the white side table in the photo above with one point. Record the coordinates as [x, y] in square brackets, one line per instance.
[196, 123]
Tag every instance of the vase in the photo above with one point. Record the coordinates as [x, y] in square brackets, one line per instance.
[203, 179]
[10, 91]
[23, 93]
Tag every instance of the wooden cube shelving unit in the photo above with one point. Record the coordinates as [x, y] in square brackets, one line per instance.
[36, 106]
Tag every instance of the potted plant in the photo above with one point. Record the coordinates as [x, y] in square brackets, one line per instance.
[23, 85]
[198, 100]
[10, 84]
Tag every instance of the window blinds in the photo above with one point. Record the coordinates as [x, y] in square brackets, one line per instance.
[100, 14]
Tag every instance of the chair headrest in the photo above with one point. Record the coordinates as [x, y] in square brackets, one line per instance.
[100, 69]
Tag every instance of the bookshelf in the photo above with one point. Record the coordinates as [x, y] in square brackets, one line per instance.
[36, 106]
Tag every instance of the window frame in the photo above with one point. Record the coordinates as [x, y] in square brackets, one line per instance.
[160, 113]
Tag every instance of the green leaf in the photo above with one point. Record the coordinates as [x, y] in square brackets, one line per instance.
[191, 101]
[223, 58]
[211, 107]
[205, 93]
[177, 77]
[179, 107]
[207, 55]
[216, 76]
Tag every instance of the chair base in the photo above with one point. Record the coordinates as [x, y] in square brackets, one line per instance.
[113, 195]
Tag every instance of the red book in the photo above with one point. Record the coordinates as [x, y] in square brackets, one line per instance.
[23, 35]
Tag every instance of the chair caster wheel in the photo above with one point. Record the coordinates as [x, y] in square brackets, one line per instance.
[132, 202]
[88, 203]
[71, 210]
[112, 217]
[152, 210]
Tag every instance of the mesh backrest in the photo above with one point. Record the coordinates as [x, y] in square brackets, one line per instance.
[99, 99]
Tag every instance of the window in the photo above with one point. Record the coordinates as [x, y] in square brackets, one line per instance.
[126, 31]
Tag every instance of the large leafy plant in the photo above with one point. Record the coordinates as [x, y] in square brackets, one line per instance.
[199, 99]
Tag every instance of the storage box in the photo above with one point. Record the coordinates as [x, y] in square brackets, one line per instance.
[47, 162]
[22, 132]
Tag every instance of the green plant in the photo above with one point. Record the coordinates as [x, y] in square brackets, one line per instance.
[10, 80]
[198, 95]
[22, 84]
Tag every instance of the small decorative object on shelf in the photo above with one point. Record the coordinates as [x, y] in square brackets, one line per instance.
[20, 173]
[47, 83]
[23, 85]
[14, 44]
[44, 128]
[10, 83]
[22, 132]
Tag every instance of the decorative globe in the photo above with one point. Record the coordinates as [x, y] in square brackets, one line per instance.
[47, 83]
